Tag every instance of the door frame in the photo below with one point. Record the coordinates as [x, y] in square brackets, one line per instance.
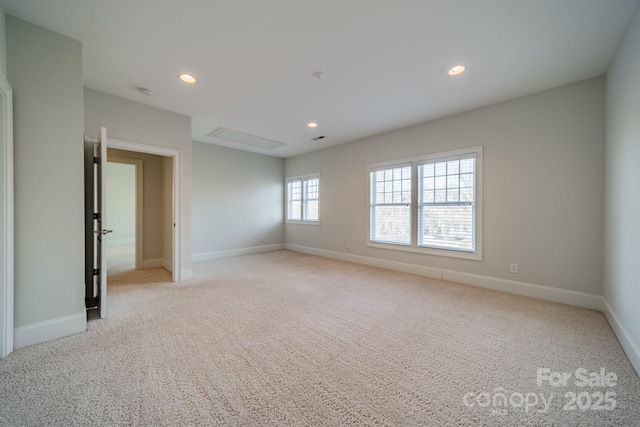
[176, 238]
[138, 165]
[6, 263]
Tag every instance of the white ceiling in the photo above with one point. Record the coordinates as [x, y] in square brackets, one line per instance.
[385, 61]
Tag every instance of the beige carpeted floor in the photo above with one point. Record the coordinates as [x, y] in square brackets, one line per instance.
[283, 338]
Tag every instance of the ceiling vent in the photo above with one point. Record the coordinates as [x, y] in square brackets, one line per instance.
[237, 137]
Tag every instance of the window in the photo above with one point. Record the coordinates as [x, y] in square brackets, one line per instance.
[303, 199]
[429, 204]
[390, 205]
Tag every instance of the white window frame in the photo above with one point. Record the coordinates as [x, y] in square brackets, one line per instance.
[302, 179]
[415, 162]
[391, 204]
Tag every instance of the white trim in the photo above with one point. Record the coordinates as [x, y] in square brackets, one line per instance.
[420, 270]
[177, 202]
[548, 293]
[630, 347]
[153, 263]
[449, 253]
[235, 252]
[6, 228]
[139, 227]
[40, 332]
[157, 263]
[167, 265]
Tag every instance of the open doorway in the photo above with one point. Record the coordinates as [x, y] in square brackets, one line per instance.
[165, 213]
[124, 211]
[156, 243]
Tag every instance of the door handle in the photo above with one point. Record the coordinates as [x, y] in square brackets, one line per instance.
[103, 231]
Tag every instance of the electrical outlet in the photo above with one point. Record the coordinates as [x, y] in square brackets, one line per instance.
[514, 269]
[348, 246]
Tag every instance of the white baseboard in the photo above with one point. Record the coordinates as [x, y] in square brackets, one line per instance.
[419, 270]
[548, 293]
[628, 345]
[235, 252]
[167, 265]
[121, 242]
[48, 330]
[580, 299]
[156, 263]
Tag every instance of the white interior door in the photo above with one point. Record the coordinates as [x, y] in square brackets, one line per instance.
[101, 210]
[95, 162]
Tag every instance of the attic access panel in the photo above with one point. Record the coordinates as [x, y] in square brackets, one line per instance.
[237, 137]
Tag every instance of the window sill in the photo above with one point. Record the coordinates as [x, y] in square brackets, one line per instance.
[302, 222]
[476, 256]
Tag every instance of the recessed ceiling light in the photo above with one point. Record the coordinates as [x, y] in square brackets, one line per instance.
[187, 78]
[312, 125]
[457, 70]
[318, 75]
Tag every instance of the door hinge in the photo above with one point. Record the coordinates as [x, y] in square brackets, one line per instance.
[96, 216]
[96, 271]
[96, 160]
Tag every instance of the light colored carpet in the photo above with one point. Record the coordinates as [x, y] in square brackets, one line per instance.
[283, 338]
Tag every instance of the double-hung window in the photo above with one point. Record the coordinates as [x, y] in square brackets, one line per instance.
[429, 204]
[390, 214]
[303, 199]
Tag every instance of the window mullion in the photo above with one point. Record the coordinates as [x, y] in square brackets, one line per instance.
[414, 204]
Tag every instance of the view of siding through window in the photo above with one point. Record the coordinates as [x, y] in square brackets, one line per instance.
[391, 205]
[447, 204]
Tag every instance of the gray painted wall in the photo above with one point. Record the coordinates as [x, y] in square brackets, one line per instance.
[237, 199]
[3, 45]
[543, 187]
[135, 122]
[121, 203]
[45, 72]
[621, 281]
[152, 201]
